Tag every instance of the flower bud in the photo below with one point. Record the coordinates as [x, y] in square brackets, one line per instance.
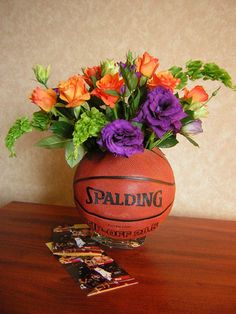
[192, 128]
[200, 113]
[42, 73]
[109, 67]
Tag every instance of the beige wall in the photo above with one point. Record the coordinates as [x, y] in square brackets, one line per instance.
[69, 34]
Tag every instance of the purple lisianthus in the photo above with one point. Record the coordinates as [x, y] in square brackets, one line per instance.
[161, 111]
[122, 138]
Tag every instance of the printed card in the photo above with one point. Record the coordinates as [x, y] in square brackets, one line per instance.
[97, 274]
[74, 240]
[86, 262]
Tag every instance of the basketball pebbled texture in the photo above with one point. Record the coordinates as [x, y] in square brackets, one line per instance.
[124, 198]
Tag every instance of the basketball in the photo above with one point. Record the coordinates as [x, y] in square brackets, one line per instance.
[124, 198]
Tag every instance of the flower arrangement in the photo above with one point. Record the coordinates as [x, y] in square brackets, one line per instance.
[120, 107]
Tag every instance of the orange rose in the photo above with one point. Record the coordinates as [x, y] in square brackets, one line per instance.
[108, 83]
[164, 79]
[198, 94]
[89, 72]
[73, 91]
[45, 99]
[147, 64]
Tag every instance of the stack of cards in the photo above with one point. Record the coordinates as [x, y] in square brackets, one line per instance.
[86, 262]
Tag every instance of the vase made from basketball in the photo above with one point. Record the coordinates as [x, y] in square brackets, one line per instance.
[124, 199]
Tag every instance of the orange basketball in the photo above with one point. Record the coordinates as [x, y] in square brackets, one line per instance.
[124, 198]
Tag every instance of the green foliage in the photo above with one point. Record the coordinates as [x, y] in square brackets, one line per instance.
[129, 58]
[190, 140]
[21, 126]
[178, 73]
[53, 141]
[41, 120]
[129, 77]
[69, 154]
[196, 69]
[89, 125]
[134, 103]
[168, 142]
[62, 129]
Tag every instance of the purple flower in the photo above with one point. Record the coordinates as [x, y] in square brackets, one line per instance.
[192, 128]
[161, 111]
[122, 138]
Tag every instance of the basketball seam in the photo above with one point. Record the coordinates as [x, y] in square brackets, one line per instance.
[123, 178]
[126, 220]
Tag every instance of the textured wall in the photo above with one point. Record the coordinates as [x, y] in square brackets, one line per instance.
[69, 34]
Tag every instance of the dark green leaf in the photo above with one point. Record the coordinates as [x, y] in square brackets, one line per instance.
[132, 81]
[62, 129]
[189, 118]
[52, 141]
[112, 92]
[136, 102]
[143, 81]
[94, 80]
[190, 140]
[169, 142]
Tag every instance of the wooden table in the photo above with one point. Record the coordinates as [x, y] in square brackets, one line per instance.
[186, 266]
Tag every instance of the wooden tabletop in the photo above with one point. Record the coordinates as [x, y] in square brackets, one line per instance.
[186, 266]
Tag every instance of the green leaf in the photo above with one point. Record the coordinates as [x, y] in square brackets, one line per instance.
[69, 154]
[143, 80]
[138, 124]
[77, 111]
[129, 77]
[53, 141]
[112, 92]
[41, 120]
[135, 103]
[94, 80]
[62, 129]
[189, 118]
[21, 126]
[190, 140]
[132, 81]
[129, 58]
[169, 142]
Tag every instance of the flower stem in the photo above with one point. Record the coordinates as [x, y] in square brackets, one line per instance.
[212, 95]
[115, 112]
[158, 142]
[150, 140]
